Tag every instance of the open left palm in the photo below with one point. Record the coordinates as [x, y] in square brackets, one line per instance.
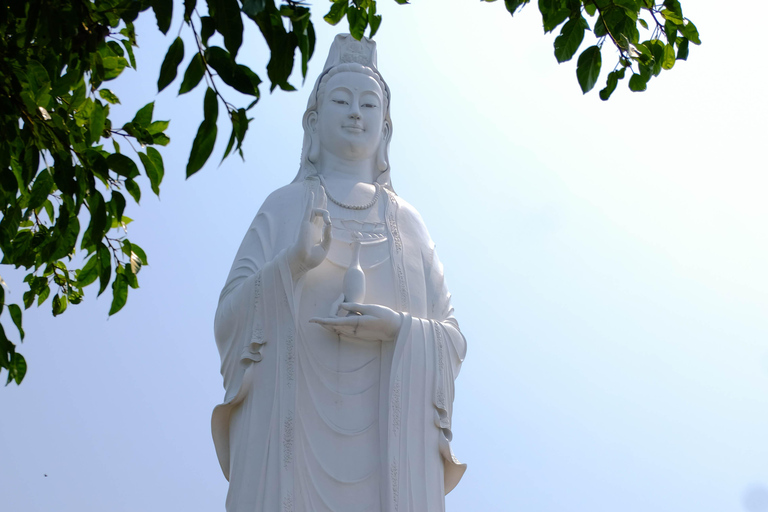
[369, 322]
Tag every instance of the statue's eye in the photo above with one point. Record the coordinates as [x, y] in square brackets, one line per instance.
[340, 102]
[369, 105]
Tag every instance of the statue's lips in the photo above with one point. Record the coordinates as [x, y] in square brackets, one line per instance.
[354, 128]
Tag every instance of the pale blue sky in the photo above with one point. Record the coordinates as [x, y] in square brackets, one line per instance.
[607, 262]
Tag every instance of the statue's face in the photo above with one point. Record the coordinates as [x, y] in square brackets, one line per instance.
[351, 116]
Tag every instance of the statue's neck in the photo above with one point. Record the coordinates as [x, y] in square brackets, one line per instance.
[334, 168]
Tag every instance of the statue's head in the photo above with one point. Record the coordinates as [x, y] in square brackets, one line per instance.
[348, 110]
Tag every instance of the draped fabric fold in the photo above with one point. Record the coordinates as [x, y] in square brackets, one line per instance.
[265, 429]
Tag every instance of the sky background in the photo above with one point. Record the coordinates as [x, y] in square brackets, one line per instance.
[607, 262]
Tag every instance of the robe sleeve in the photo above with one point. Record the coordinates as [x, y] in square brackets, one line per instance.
[255, 304]
[259, 282]
[428, 354]
[450, 348]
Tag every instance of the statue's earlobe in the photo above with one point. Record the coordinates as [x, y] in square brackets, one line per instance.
[382, 159]
[310, 127]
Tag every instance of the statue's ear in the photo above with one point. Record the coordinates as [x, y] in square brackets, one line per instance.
[310, 128]
[382, 159]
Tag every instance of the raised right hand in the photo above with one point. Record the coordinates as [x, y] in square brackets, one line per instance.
[314, 240]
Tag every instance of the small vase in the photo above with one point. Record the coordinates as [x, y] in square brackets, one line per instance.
[354, 279]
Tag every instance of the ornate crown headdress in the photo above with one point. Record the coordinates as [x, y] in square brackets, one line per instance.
[346, 48]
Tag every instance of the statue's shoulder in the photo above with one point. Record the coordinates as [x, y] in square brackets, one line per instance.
[410, 219]
[280, 211]
[290, 196]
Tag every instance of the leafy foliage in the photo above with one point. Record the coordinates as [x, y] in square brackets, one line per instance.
[620, 22]
[54, 170]
[59, 170]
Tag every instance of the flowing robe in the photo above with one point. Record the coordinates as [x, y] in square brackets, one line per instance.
[262, 346]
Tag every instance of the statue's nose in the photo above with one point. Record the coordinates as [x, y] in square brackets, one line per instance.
[354, 112]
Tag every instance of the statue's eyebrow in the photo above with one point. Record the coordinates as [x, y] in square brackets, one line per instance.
[371, 92]
[342, 88]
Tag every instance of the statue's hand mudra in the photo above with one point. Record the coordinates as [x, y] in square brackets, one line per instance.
[312, 244]
[369, 322]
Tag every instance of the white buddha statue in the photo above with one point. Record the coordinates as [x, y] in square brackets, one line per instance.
[338, 344]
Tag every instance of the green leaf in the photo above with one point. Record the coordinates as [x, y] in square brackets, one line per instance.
[672, 17]
[163, 12]
[628, 4]
[229, 23]
[553, 19]
[252, 8]
[374, 20]
[205, 139]
[610, 86]
[133, 188]
[15, 312]
[113, 67]
[600, 28]
[29, 299]
[514, 5]
[138, 251]
[48, 209]
[17, 368]
[42, 295]
[669, 57]
[98, 120]
[674, 6]
[122, 223]
[239, 126]
[590, 8]
[189, 8]
[160, 139]
[117, 206]
[153, 165]
[38, 79]
[158, 127]
[89, 272]
[570, 39]
[645, 52]
[143, 117]
[682, 49]
[193, 75]
[170, 64]
[689, 30]
[358, 21]
[207, 28]
[231, 142]
[105, 267]
[119, 293]
[306, 42]
[638, 83]
[109, 96]
[98, 224]
[643, 23]
[337, 12]
[670, 30]
[129, 51]
[122, 165]
[42, 187]
[588, 68]
[157, 160]
[59, 304]
[238, 76]
[657, 49]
